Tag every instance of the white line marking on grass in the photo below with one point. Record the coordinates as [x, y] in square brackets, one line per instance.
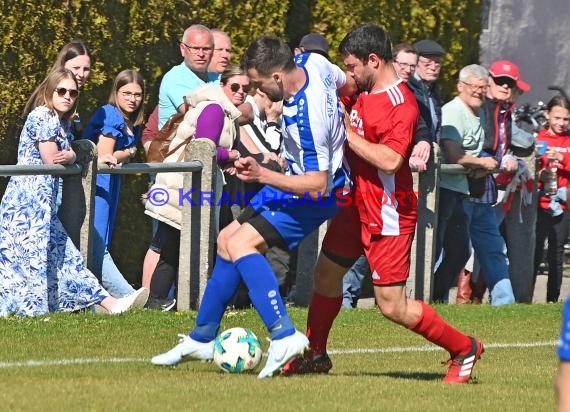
[433, 348]
[63, 362]
[423, 348]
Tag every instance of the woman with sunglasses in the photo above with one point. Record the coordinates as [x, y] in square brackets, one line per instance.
[115, 128]
[554, 178]
[212, 114]
[41, 270]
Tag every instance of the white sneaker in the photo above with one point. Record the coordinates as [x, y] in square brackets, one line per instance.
[137, 299]
[283, 350]
[186, 349]
[141, 298]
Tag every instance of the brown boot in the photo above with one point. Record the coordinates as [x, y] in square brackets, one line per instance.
[463, 288]
[478, 290]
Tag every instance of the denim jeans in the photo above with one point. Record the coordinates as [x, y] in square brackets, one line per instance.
[106, 271]
[500, 214]
[489, 246]
[352, 282]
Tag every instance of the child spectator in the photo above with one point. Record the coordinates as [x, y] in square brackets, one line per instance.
[554, 175]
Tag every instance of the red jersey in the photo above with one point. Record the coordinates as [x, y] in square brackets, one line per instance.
[562, 145]
[386, 203]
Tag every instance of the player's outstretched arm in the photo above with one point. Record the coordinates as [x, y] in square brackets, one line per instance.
[313, 184]
[377, 154]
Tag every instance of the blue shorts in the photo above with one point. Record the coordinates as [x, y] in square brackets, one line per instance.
[564, 343]
[274, 212]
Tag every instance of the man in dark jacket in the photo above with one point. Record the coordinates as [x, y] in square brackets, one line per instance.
[422, 84]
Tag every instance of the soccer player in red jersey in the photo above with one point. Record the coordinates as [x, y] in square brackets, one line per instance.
[380, 220]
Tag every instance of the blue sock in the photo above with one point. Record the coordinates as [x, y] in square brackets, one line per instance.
[264, 293]
[221, 287]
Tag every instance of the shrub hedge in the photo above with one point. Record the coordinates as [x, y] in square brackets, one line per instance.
[144, 34]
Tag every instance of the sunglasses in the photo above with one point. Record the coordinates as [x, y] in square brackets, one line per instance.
[62, 91]
[234, 87]
[505, 80]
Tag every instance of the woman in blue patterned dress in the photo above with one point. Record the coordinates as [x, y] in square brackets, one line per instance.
[41, 270]
[115, 128]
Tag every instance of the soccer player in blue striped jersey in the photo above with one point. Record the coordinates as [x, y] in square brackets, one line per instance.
[290, 206]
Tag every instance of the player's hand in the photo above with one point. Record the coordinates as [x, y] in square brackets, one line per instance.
[247, 169]
[422, 151]
[350, 134]
[273, 110]
[267, 157]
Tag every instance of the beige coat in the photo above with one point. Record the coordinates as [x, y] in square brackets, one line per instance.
[171, 212]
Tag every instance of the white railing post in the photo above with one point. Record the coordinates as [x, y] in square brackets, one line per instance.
[198, 232]
[426, 184]
[78, 200]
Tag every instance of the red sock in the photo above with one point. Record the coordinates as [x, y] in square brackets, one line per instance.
[432, 327]
[322, 313]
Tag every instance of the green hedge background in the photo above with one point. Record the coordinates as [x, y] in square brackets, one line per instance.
[143, 35]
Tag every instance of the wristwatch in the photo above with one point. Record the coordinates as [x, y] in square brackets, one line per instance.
[132, 151]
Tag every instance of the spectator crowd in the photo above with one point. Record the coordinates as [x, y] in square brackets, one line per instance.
[288, 124]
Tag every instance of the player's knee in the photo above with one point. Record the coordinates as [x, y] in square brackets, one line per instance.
[222, 241]
[388, 310]
[391, 309]
[328, 275]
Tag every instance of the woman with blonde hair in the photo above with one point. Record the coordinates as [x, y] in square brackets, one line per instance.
[41, 270]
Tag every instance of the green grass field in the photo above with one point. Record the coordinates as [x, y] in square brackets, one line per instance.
[83, 362]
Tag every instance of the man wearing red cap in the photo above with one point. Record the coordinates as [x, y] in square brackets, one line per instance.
[496, 117]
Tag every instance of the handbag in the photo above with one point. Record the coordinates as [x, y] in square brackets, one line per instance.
[159, 148]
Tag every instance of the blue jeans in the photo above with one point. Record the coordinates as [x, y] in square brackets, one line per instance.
[490, 248]
[352, 282]
[106, 271]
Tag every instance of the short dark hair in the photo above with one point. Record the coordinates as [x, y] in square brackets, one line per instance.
[365, 39]
[403, 47]
[266, 54]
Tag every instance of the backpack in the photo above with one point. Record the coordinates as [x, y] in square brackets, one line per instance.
[159, 148]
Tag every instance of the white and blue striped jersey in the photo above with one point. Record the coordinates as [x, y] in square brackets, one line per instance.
[313, 129]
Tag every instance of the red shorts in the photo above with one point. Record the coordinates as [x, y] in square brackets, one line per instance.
[389, 256]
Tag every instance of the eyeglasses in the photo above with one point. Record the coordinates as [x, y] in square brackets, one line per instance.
[504, 81]
[429, 62]
[403, 65]
[475, 86]
[221, 49]
[196, 49]
[62, 91]
[130, 95]
[236, 86]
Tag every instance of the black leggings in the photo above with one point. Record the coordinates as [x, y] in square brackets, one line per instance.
[555, 228]
[166, 272]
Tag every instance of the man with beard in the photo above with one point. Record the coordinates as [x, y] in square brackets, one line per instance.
[381, 221]
[287, 209]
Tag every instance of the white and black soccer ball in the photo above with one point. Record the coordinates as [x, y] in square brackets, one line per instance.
[237, 350]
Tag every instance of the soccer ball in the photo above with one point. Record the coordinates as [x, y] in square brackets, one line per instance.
[237, 350]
